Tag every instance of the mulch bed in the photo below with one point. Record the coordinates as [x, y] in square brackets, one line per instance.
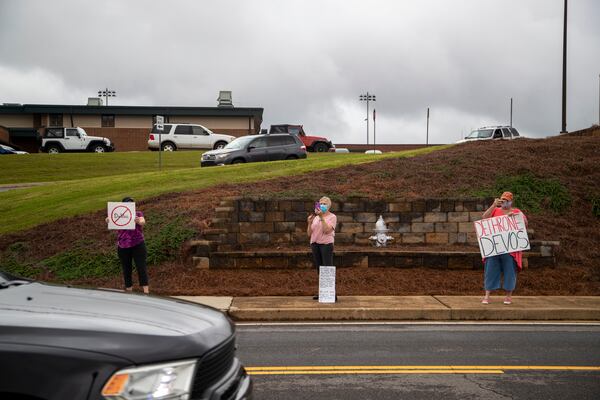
[448, 174]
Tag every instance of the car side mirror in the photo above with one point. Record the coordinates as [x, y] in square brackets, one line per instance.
[251, 147]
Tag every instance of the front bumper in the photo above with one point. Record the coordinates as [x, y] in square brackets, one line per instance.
[210, 163]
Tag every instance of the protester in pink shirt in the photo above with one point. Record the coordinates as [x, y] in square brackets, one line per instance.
[321, 230]
[506, 265]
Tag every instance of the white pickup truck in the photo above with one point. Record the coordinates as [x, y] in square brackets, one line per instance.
[58, 140]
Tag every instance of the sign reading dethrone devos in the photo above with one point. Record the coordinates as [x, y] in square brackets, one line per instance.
[500, 235]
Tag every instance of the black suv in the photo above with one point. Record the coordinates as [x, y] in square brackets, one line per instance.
[60, 342]
[256, 148]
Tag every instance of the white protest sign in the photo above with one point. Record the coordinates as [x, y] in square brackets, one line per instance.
[121, 215]
[326, 284]
[501, 235]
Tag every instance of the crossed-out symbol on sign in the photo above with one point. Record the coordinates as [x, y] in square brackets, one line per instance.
[118, 216]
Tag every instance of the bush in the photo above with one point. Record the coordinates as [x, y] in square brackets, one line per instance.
[531, 193]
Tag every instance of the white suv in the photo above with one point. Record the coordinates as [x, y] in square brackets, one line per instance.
[492, 133]
[187, 136]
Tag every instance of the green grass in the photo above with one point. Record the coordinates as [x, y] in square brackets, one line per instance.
[42, 167]
[25, 208]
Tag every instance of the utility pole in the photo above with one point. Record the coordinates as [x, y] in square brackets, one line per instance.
[374, 130]
[367, 97]
[564, 76]
[427, 134]
[511, 112]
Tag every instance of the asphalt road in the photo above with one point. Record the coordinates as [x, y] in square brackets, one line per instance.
[408, 361]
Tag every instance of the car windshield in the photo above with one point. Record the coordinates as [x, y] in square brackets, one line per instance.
[7, 147]
[480, 133]
[239, 143]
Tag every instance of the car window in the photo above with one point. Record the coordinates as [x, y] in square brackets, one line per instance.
[239, 143]
[514, 132]
[294, 130]
[72, 132]
[198, 130]
[506, 133]
[497, 134]
[54, 133]
[280, 140]
[259, 143]
[183, 130]
[167, 129]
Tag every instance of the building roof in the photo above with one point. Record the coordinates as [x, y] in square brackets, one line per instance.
[131, 110]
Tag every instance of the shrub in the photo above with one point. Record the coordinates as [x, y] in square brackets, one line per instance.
[531, 193]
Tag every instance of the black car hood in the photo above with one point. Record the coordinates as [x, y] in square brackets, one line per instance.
[138, 328]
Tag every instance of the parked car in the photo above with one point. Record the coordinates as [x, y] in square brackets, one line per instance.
[256, 148]
[60, 342]
[58, 140]
[492, 133]
[339, 150]
[187, 136]
[373, 151]
[4, 149]
[313, 143]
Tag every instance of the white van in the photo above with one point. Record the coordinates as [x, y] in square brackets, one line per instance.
[492, 133]
[187, 136]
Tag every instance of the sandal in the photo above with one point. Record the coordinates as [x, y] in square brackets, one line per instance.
[485, 301]
[507, 300]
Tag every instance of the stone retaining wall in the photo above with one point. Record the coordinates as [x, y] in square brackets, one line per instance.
[247, 223]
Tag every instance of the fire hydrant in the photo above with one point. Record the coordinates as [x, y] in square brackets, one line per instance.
[381, 237]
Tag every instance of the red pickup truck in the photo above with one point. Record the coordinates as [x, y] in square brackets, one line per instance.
[313, 143]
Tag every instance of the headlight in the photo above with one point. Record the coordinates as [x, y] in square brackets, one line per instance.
[159, 381]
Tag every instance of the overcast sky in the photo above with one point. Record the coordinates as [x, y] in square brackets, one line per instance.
[308, 61]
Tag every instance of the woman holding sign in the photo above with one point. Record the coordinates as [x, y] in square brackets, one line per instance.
[506, 264]
[131, 248]
[321, 230]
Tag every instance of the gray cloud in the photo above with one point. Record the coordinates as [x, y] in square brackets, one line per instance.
[307, 61]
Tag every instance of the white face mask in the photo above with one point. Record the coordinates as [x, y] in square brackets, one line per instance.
[506, 204]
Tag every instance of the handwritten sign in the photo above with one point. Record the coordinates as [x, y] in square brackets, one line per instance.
[326, 284]
[501, 235]
[121, 215]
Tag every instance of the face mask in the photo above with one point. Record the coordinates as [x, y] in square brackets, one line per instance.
[506, 205]
[323, 207]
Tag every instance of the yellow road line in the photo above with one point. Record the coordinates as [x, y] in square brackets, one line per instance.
[371, 372]
[410, 369]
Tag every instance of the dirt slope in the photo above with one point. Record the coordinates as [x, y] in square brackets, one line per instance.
[455, 172]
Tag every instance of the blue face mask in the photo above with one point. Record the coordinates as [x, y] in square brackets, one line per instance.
[323, 207]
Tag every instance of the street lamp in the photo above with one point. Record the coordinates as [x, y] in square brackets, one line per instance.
[107, 93]
[367, 97]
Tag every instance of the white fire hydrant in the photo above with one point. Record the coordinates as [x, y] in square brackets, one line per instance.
[381, 237]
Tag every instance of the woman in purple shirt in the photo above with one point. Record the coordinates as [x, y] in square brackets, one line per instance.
[132, 248]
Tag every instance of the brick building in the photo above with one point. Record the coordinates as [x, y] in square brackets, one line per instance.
[127, 126]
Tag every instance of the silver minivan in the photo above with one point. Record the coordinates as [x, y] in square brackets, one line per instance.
[492, 133]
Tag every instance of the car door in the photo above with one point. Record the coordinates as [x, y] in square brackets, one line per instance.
[277, 147]
[74, 141]
[497, 134]
[200, 138]
[183, 136]
[506, 133]
[258, 150]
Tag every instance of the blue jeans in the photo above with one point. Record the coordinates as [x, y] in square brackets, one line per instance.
[503, 264]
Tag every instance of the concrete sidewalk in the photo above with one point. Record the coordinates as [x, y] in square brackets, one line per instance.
[406, 308]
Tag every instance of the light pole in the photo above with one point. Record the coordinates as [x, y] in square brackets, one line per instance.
[367, 97]
[564, 75]
[107, 93]
[511, 112]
